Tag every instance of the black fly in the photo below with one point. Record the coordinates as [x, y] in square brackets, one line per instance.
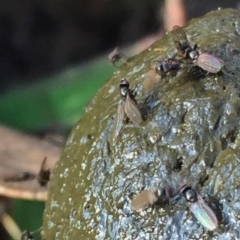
[126, 106]
[44, 173]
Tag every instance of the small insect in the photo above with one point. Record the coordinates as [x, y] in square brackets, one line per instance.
[199, 207]
[21, 177]
[43, 176]
[203, 60]
[44, 173]
[144, 199]
[26, 235]
[114, 56]
[166, 66]
[182, 44]
[127, 105]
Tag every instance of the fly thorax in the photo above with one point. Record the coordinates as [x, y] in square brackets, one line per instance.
[190, 195]
[124, 91]
[184, 44]
[193, 55]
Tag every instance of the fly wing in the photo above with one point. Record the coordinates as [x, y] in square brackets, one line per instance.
[24, 176]
[180, 39]
[179, 35]
[118, 121]
[44, 173]
[204, 214]
[132, 110]
[143, 200]
[209, 63]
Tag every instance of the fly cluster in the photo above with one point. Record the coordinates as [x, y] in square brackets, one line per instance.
[128, 110]
[187, 53]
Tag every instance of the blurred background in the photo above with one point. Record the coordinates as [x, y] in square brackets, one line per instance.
[53, 59]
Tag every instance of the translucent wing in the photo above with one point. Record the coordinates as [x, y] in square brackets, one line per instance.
[179, 35]
[204, 214]
[143, 200]
[118, 121]
[132, 110]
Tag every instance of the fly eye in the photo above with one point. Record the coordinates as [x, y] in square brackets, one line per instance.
[191, 195]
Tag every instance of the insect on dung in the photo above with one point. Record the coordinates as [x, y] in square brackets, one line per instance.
[166, 66]
[205, 61]
[199, 207]
[127, 106]
[114, 56]
[182, 44]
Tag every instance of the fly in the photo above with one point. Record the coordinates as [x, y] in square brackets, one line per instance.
[21, 177]
[126, 106]
[203, 60]
[114, 56]
[44, 174]
[182, 44]
[199, 207]
[26, 235]
[166, 66]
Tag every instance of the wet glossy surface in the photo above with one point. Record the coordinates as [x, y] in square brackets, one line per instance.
[198, 142]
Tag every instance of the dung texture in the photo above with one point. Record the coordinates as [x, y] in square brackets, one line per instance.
[190, 135]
